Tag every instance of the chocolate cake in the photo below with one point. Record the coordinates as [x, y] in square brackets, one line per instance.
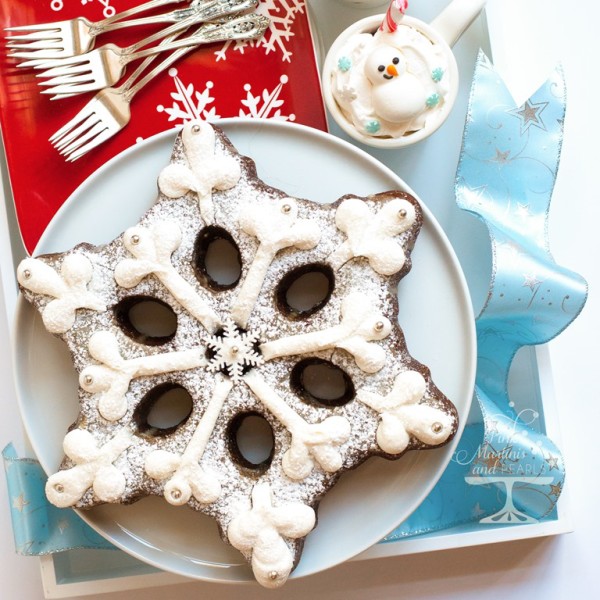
[327, 370]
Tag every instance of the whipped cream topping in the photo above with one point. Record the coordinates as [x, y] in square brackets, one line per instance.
[391, 84]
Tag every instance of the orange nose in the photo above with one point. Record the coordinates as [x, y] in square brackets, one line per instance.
[391, 70]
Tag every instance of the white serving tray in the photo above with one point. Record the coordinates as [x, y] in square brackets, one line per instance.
[79, 573]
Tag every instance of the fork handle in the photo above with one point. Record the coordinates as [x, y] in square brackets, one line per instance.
[130, 82]
[132, 90]
[197, 13]
[249, 27]
[202, 10]
[104, 24]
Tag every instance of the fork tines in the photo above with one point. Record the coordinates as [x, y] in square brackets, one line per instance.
[85, 131]
[45, 41]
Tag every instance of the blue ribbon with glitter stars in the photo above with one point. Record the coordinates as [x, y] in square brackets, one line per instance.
[38, 526]
[503, 471]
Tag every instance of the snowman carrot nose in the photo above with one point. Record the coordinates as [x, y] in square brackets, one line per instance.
[391, 70]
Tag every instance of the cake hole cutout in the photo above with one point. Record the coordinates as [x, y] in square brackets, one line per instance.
[146, 320]
[251, 441]
[305, 290]
[217, 259]
[321, 382]
[163, 409]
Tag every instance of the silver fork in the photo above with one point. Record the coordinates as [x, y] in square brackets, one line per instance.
[63, 39]
[199, 10]
[109, 111]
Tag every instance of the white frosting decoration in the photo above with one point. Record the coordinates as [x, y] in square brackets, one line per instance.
[152, 249]
[311, 442]
[69, 289]
[403, 416]
[185, 476]
[113, 376]
[233, 351]
[372, 235]
[391, 83]
[276, 226]
[361, 323]
[204, 172]
[93, 468]
[261, 531]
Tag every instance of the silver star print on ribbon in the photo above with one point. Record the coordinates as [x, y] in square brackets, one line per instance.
[510, 156]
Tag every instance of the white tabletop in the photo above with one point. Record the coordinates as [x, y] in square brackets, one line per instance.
[538, 33]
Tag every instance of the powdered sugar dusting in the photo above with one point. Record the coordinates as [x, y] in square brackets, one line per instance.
[234, 378]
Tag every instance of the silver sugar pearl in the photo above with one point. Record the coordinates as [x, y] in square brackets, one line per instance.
[26, 274]
[402, 213]
[273, 575]
[59, 488]
[437, 427]
[234, 350]
[88, 380]
[196, 129]
[286, 208]
[379, 326]
[135, 239]
[176, 494]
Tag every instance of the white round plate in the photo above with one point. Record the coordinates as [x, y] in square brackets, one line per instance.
[435, 313]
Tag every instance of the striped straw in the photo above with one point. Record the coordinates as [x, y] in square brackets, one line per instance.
[393, 15]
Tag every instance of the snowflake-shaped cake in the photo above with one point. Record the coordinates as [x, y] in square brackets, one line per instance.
[240, 347]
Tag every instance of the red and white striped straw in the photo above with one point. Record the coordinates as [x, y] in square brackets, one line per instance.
[393, 15]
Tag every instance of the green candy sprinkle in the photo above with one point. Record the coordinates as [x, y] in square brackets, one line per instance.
[344, 64]
[432, 101]
[373, 126]
[437, 74]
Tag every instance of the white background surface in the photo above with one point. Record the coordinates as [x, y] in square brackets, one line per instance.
[559, 567]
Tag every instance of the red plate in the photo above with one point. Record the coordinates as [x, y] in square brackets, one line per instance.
[274, 78]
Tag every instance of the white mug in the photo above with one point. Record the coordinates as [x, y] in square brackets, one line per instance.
[443, 32]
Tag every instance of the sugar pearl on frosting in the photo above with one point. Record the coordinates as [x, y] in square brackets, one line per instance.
[26, 274]
[176, 494]
[402, 213]
[437, 427]
[88, 380]
[135, 239]
[286, 208]
[58, 487]
[196, 129]
[379, 326]
[273, 575]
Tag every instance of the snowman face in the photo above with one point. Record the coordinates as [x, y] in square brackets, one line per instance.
[383, 64]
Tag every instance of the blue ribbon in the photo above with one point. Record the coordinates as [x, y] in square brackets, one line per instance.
[503, 471]
[38, 526]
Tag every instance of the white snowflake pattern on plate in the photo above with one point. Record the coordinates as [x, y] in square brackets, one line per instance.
[282, 14]
[190, 104]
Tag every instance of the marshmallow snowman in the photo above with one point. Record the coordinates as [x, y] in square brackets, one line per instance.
[387, 86]
[397, 95]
